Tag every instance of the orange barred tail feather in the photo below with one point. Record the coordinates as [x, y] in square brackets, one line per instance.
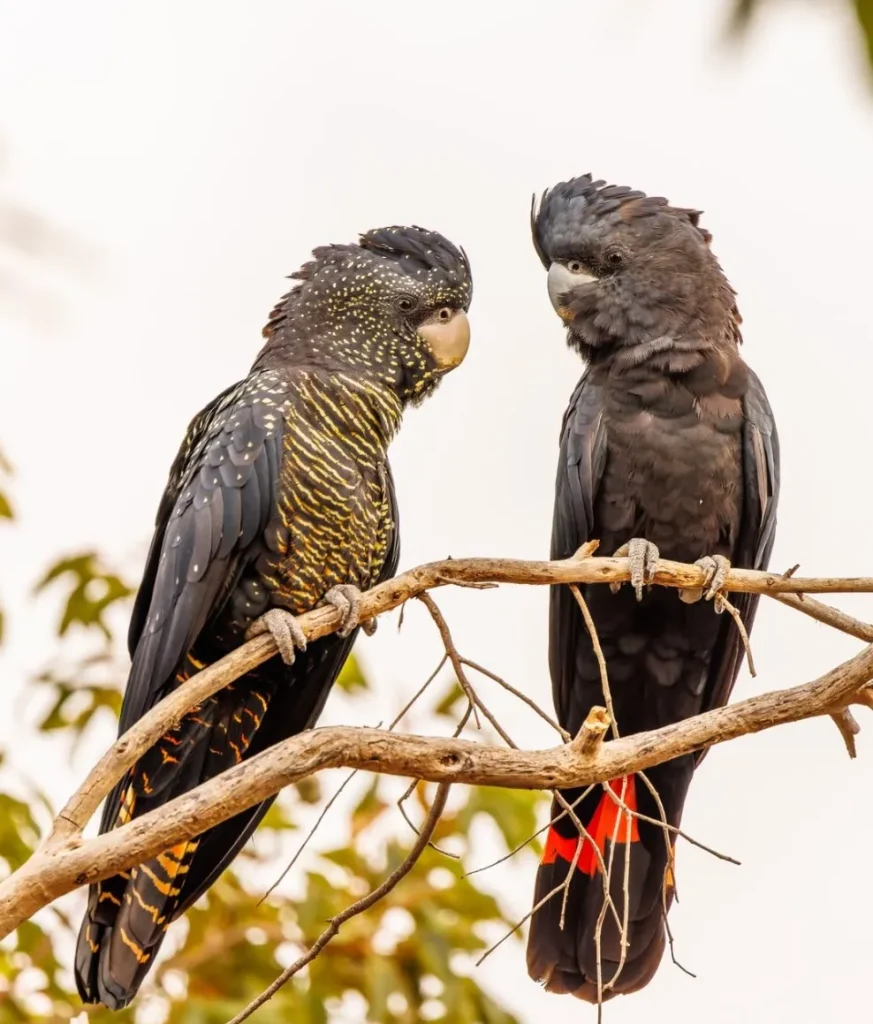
[597, 955]
[129, 913]
[123, 943]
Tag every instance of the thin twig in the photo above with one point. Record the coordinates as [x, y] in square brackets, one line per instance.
[269, 892]
[606, 873]
[532, 704]
[670, 939]
[598, 653]
[66, 861]
[665, 824]
[530, 839]
[363, 904]
[397, 719]
[458, 665]
[517, 925]
[565, 885]
[601, 918]
[625, 929]
[126, 751]
[827, 614]
[459, 728]
[848, 726]
[723, 604]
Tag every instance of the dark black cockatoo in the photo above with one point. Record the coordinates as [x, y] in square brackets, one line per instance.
[668, 449]
[280, 498]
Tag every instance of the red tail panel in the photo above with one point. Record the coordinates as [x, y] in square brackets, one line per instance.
[609, 821]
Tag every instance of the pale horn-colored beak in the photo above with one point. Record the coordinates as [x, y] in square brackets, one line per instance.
[560, 283]
[448, 337]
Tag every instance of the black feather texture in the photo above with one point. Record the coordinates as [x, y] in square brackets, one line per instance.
[561, 215]
[668, 437]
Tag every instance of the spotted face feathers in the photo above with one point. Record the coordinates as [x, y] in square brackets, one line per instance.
[360, 308]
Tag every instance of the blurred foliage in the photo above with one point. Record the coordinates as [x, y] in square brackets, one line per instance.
[744, 11]
[92, 592]
[407, 959]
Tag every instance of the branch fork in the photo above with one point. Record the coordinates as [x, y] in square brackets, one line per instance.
[66, 860]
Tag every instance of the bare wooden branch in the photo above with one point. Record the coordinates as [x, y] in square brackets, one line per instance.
[591, 735]
[848, 726]
[66, 861]
[387, 596]
[828, 615]
[58, 868]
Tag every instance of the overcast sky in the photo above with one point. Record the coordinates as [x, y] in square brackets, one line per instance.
[201, 154]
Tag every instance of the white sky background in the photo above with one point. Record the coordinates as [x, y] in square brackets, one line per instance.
[202, 154]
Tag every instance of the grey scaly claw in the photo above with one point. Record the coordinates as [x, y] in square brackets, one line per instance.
[347, 599]
[284, 629]
[716, 568]
[643, 556]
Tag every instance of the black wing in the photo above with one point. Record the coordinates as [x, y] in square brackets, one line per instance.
[216, 506]
[757, 534]
[195, 435]
[580, 468]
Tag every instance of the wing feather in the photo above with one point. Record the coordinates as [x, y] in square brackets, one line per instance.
[217, 503]
[581, 463]
[761, 473]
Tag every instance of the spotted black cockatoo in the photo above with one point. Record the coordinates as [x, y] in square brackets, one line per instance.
[280, 498]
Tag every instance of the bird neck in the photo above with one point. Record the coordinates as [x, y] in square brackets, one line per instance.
[382, 361]
[357, 407]
[702, 362]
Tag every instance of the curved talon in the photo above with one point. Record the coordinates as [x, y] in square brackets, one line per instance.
[716, 568]
[284, 629]
[346, 598]
[643, 557]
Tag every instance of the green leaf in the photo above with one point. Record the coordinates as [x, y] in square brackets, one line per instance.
[351, 678]
[5, 505]
[448, 704]
[93, 591]
[514, 812]
[74, 705]
[864, 15]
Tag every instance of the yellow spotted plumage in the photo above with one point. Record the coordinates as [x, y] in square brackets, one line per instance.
[280, 491]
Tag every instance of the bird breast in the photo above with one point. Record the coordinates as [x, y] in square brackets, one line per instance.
[675, 480]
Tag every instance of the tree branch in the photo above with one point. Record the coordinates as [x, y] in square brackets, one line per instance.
[66, 861]
[393, 593]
